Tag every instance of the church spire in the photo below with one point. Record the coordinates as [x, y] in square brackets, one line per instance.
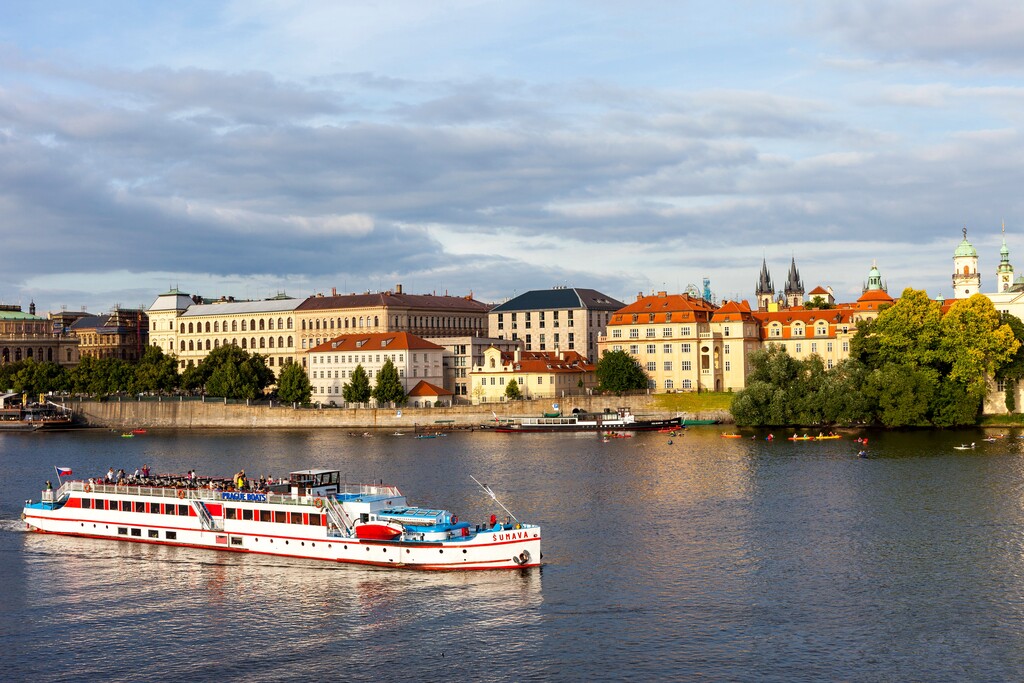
[1004, 274]
[764, 290]
[794, 286]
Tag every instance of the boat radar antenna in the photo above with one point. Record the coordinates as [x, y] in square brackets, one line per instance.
[489, 492]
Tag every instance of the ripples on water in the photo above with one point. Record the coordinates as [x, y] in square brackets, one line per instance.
[706, 559]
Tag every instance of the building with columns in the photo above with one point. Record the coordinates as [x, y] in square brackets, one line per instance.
[25, 336]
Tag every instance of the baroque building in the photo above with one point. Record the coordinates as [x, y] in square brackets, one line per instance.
[122, 334]
[25, 336]
[538, 374]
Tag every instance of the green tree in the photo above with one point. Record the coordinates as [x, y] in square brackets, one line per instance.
[293, 385]
[35, 378]
[910, 331]
[156, 371]
[512, 391]
[357, 390]
[903, 394]
[248, 377]
[818, 302]
[975, 343]
[617, 371]
[389, 386]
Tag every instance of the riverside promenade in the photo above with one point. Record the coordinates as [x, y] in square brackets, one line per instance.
[175, 413]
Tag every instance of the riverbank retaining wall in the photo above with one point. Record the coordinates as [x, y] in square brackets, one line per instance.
[215, 414]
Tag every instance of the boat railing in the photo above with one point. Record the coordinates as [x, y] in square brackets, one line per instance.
[369, 490]
[338, 516]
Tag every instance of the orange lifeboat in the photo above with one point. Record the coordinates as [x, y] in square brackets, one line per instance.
[379, 531]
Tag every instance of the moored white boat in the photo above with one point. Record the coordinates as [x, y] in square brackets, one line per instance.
[621, 420]
[313, 515]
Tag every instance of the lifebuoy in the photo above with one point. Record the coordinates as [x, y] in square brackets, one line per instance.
[319, 503]
[455, 519]
[181, 494]
[87, 488]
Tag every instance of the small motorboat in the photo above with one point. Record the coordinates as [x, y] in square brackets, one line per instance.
[964, 447]
[138, 431]
[381, 531]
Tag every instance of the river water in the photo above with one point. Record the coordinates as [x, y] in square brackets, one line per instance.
[686, 558]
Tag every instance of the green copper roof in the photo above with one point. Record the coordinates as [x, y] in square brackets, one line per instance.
[965, 249]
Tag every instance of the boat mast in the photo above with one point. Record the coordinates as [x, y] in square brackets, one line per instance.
[489, 492]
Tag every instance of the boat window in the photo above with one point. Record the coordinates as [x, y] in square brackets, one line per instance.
[170, 509]
[171, 535]
[122, 530]
[316, 520]
[136, 532]
[247, 514]
[126, 505]
[264, 515]
[153, 533]
[140, 506]
[280, 516]
[87, 502]
[229, 513]
[183, 510]
[296, 518]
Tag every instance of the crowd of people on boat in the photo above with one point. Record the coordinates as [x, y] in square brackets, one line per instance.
[142, 476]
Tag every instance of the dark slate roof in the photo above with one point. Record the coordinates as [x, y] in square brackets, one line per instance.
[562, 298]
[90, 322]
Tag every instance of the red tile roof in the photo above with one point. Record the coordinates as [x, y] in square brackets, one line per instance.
[379, 341]
[427, 302]
[683, 308]
[545, 361]
[819, 290]
[424, 388]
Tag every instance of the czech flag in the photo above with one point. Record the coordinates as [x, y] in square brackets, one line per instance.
[63, 471]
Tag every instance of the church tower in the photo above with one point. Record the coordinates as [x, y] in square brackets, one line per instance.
[794, 287]
[764, 290]
[1004, 275]
[874, 282]
[966, 280]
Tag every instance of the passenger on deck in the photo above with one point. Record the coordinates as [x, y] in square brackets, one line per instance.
[110, 475]
[49, 486]
[145, 471]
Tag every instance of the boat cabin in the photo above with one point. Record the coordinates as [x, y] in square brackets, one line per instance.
[314, 483]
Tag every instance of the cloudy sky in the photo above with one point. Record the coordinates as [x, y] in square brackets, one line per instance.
[251, 147]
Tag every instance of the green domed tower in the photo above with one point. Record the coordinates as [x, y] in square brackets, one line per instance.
[966, 280]
[1004, 274]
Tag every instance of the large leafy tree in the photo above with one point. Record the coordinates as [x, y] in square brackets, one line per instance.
[618, 371]
[910, 331]
[389, 387]
[293, 385]
[975, 342]
[156, 371]
[357, 390]
[35, 378]
[231, 372]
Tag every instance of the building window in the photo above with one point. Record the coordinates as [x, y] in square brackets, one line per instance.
[798, 347]
[651, 349]
[687, 384]
[651, 332]
[666, 332]
[651, 366]
[634, 333]
[634, 349]
[728, 365]
[685, 331]
[616, 333]
[666, 348]
[668, 366]
[828, 347]
[686, 365]
[686, 348]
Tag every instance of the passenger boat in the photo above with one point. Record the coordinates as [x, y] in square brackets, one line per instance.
[312, 515]
[582, 421]
[33, 417]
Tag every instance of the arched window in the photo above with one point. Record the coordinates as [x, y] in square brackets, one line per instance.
[262, 323]
[243, 326]
[263, 343]
[280, 341]
[346, 323]
[216, 343]
[289, 341]
[207, 325]
[183, 328]
[270, 324]
[252, 343]
[190, 347]
[207, 344]
[243, 342]
[234, 342]
[216, 326]
[234, 326]
[271, 342]
[303, 325]
[376, 321]
[318, 324]
[279, 325]
[361, 321]
[967, 270]
[289, 323]
[182, 344]
[190, 328]
[49, 355]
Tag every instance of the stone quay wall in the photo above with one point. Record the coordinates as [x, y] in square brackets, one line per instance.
[172, 413]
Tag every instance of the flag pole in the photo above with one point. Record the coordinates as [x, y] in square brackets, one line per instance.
[59, 482]
[487, 489]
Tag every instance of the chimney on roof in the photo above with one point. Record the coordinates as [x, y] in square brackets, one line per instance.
[398, 288]
[334, 291]
[517, 355]
[639, 296]
[662, 295]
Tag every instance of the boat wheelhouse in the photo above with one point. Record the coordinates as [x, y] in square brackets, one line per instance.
[312, 515]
